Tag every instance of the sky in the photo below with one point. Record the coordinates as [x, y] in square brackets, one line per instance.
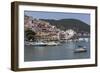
[59, 15]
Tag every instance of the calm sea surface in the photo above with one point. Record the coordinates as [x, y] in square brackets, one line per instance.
[63, 51]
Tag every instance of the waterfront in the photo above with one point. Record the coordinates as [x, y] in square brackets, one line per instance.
[64, 51]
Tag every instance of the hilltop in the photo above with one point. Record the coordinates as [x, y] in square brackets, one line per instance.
[64, 24]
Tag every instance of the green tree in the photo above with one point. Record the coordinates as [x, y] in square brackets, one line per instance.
[30, 35]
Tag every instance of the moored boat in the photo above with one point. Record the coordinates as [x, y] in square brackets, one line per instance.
[53, 43]
[39, 44]
[42, 43]
[80, 49]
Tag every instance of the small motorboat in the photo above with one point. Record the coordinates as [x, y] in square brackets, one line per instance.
[53, 43]
[40, 43]
[80, 49]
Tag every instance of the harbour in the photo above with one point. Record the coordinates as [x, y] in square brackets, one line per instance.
[64, 51]
[50, 39]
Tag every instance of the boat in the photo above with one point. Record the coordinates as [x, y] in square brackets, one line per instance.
[53, 43]
[28, 43]
[40, 43]
[80, 49]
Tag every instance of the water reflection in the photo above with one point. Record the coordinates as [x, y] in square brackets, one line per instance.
[61, 52]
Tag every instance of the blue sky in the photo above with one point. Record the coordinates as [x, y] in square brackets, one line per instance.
[59, 15]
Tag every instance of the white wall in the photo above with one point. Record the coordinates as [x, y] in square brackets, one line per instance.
[5, 31]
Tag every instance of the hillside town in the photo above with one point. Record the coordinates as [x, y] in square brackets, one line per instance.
[37, 30]
[55, 39]
[45, 31]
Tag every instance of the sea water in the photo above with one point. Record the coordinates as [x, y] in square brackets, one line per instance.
[64, 51]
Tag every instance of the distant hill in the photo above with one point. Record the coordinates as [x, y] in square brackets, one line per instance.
[64, 24]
